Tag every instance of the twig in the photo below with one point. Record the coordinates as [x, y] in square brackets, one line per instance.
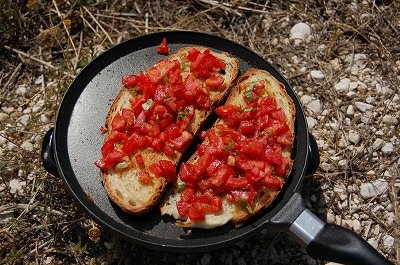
[66, 29]
[98, 24]
[14, 73]
[47, 64]
[41, 70]
[225, 6]
[146, 23]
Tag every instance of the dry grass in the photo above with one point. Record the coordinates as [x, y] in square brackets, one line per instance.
[47, 42]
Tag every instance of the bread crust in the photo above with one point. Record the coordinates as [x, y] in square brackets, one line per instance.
[231, 211]
[122, 186]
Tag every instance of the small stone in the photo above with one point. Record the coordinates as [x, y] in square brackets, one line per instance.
[27, 146]
[342, 162]
[311, 122]
[43, 119]
[10, 146]
[373, 242]
[317, 75]
[378, 143]
[363, 107]
[325, 166]
[15, 186]
[23, 119]
[388, 119]
[373, 189]
[350, 111]
[305, 99]
[21, 90]
[8, 110]
[314, 106]
[206, 259]
[3, 116]
[388, 244]
[330, 218]
[300, 31]
[357, 226]
[354, 137]
[351, 95]
[387, 148]
[342, 85]
[39, 80]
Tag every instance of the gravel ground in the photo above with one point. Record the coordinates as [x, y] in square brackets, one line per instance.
[342, 59]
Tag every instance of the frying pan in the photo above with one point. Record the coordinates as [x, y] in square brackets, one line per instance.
[71, 147]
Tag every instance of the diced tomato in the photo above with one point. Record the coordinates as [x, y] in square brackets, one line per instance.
[236, 183]
[107, 147]
[173, 131]
[129, 117]
[103, 165]
[272, 182]
[118, 136]
[259, 89]
[193, 87]
[168, 169]
[204, 198]
[247, 127]
[181, 142]
[202, 164]
[136, 105]
[118, 123]
[187, 173]
[192, 54]
[157, 144]
[144, 178]
[156, 169]
[279, 115]
[252, 148]
[280, 170]
[131, 145]
[103, 130]
[188, 194]
[226, 110]
[247, 195]
[215, 81]
[267, 105]
[169, 149]
[284, 139]
[247, 164]
[183, 208]
[163, 47]
[273, 157]
[196, 212]
[114, 157]
[130, 80]
[203, 101]
[157, 72]
[221, 174]
[175, 76]
[140, 161]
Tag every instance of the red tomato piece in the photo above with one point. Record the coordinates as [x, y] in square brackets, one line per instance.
[280, 170]
[140, 161]
[192, 54]
[175, 76]
[181, 142]
[129, 117]
[157, 72]
[215, 81]
[193, 88]
[169, 149]
[272, 182]
[173, 131]
[272, 157]
[168, 169]
[236, 183]
[156, 169]
[130, 80]
[183, 208]
[115, 156]
[202, 164]
[163, 47]
[196, 212]
[221, 174]
[107, 147]
[188, 174]
[247, 127]
[102, 165]
[144, 177]
[226, 110]
[131, 145]
[247, 195]
[118, 123]
[136, 105]
[253, 148]
[157, 144]
[284, 139]
[118, 136]
[103, 130]
[279, 115]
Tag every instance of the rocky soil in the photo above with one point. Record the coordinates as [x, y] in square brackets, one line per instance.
[342, 59]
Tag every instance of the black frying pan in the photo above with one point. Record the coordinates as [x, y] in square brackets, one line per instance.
[71, 148]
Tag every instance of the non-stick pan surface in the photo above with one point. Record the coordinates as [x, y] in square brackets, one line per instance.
[77, 143]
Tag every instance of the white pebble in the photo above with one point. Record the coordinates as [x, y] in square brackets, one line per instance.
[27, 146]
[350, 111]
[43, 119]
[372, 189]
[363, 107]
[311, 122]
[8, 110]
[387, 148]
[305, 99]
[356, 226]
[23, 119]
[370, 100]
[351, 95]
[388, 119]
[342, 85]
[3, 116]
[373, 242]
[388, 244]
[378, 143]
[10, 146]
[300, 31]
[317, 75]
[15, 186]
[315, 106]
[342, 162]
[354, 136]
[21, 90]
[39, 80]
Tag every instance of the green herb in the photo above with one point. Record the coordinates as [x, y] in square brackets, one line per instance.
[181, 185]
[147, 104]
[121, 165]
[228, 147]
[246, 205]
[183, 113]
[166, 79]
[249, 94]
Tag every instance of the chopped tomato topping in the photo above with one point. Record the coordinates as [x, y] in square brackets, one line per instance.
[215, 81]
[130, 80]
[144, 178]
[140, 161]
[163, 47]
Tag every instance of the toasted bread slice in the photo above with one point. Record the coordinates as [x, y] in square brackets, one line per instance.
[235, 212]
[123, 186]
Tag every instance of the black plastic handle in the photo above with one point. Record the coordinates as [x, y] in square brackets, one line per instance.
[313, 155]
[47, 153]
[335, 243]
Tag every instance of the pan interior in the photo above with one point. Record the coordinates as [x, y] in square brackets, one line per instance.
[78, 141]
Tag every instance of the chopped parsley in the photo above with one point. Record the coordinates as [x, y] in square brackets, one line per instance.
[228, 147]
[181, 185]
[121, 165]
[183, 113]
[249, 94]
[166, 79]
[246, 205]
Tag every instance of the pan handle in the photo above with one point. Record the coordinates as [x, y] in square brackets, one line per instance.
[47, 153]
[333, 243]
[313, 155]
